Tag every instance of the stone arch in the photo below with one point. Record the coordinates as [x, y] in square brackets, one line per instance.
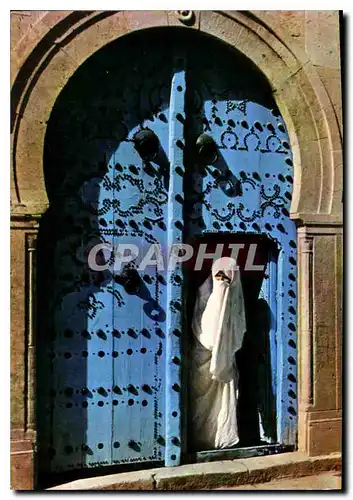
[300, 95]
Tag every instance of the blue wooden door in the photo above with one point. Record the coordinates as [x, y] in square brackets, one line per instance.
[111, 389]
[102, 366]
[237, 188]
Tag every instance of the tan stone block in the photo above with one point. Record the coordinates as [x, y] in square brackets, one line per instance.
[51, 18]
[48, 86]
[320, 105]
[13, 194]
[280, 29]
[22, 470]
[315, 132]
[331, 78]
[206, 475]
[296, 111]
[145, 19]
[263, 469]
[290, 21]
[29, 162]
[302, 418]
[322, 41]
[321, 481]
[21, 445]
[327, 176]
[277, 39]
[93, 38]
[266, 59]
[324, 307]
[28, 36]
[313, 219]
[316, 415]
[312, 117]
[314, 98]
[137, 480]
[297, 165]
[174, 19]
[221, 27]
[17, 328]
[337, 195]
[339, 116]
[307, 177]
[338, 316]
[325, 437]
[21, 22]
[276, 67]
[138, 485]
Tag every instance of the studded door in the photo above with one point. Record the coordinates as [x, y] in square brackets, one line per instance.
[101, 371]
[109, 388]
[237, 189]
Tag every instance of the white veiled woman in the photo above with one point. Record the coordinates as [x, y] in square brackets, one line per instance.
[218, 326]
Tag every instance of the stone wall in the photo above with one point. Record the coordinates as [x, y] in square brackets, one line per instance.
[299, 52]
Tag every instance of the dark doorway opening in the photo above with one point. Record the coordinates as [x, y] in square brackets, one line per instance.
[256, 408]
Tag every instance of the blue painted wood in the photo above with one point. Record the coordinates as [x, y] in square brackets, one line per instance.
[267, 309]
[247, 191]
[138, 432]
[174, 297]
[105, 396]
[110, 387]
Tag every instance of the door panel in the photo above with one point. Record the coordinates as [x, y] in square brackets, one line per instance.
[174, 275]
[247, 191]
[109, 370]
[102, 373]
[140, 211]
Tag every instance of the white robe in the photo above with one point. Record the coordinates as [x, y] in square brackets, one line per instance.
[218, 325]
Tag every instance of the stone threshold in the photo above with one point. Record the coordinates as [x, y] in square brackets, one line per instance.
[212, 475]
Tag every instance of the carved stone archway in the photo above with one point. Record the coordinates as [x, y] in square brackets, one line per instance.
[300, 94]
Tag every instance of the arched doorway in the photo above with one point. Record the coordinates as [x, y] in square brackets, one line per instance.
[110, 378]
